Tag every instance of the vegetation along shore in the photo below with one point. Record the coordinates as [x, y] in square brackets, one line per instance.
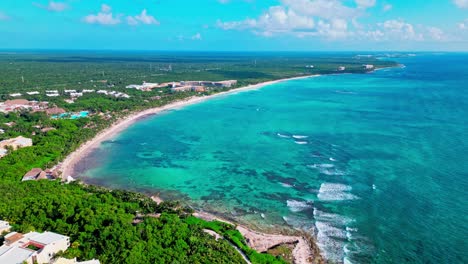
[89, 102]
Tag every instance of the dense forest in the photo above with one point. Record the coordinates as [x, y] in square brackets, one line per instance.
[111, 225]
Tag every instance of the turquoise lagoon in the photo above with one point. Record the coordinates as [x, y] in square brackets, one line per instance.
[375, 165]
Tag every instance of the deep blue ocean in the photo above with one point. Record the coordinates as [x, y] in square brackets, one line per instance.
[374, 165]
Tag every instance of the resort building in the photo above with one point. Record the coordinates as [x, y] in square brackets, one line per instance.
[13, 105]
[4, 227]
[32, 93]
[53, 95]
[14, 143]
[144, 87]
[38, 174]
[32, 247]
[15, 94]
[55, 111]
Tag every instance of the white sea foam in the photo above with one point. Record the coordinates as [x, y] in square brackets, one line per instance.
[331, 240]
[282, 136]
[326, 168]
[301, 142]
[299, 137]
[286, 185]
[332, 235]
[335, 192]
[298, 206]
[332, 159]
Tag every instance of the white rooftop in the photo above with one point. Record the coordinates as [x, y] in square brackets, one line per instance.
[4, 223]
[48, 238]
[14, 255]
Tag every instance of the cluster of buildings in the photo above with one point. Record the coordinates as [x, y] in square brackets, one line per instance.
[184, 86]
[73, 93]
[14, 143]
[22, 104]
[34, 247]
[114, 94]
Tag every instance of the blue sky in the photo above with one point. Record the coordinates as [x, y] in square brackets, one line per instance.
[250, 25]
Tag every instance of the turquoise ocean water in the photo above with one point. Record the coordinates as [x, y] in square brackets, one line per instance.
[375, 165]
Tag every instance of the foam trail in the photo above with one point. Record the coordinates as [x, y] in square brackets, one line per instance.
[335, 192]
[298, 206]
[282, 136]
[299, 137]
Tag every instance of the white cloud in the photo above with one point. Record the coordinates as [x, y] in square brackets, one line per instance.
[105, 17]
[327, 9]
[399, 29]
[463, 25]
[132, 21]
[53, 6]
[3, 16]
[332, 20]
[197, 37]
[143, 18]
[461, 3]
[365, 3]
[387, 7]
[277, 19]
[329, 18]
[106, 8]
[436, 33]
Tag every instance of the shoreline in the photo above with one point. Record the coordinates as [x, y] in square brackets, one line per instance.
[68, 164]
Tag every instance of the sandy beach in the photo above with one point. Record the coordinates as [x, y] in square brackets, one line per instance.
[67, 166]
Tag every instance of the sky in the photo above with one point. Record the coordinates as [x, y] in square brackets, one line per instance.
[235, 25]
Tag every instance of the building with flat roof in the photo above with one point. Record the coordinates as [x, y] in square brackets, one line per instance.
[4, 227]
[32, 247]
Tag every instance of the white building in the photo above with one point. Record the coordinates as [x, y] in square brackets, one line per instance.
[32, 247]
[4, 226]
[32, 93]
[52, 91]
[15, 94]
[76, 94]
[88, 91]
[70, 91]
[74, 261]
[144, 87]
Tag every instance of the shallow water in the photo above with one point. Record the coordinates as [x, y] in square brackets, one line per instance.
[375, 165]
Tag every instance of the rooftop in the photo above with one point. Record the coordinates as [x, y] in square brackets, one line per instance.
[48, 238]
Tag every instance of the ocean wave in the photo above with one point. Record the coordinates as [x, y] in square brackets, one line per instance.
[326, 168]
[298, 206]
[335, 192]
[332, 234]
[282, 136]
[299, 137]
[286, 185]
[301, 142]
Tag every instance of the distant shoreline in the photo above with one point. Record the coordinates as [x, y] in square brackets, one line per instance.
[69, 163]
